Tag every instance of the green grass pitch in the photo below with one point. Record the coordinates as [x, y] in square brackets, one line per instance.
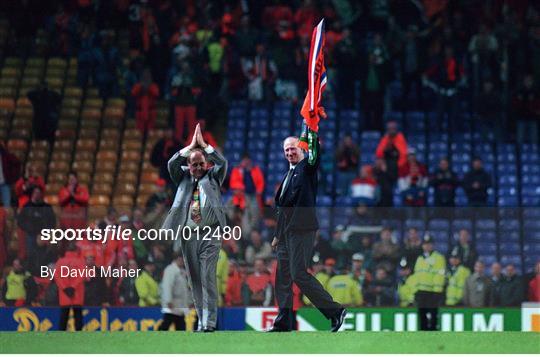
[258, 342]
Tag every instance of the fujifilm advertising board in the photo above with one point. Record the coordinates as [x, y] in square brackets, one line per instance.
[406, 319]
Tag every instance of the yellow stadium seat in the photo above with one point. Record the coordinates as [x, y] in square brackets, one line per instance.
[51, 199]
[35, 62]
[93, 103]
[57, 62]
[116, 102]
[91, 114]
[129, 166]
[108, 144]
[83, 166]
[59, 166]
[86, 144]
[38, 155]
[74, 92]
[104, 178]
[81, 155]
[105, 166]
[131, 156]
[127, 177]
[64, 145]
[109, 133]
[101, 189]
[64, 155]
[88, 134]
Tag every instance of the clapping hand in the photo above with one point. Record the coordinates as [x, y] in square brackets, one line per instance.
[200, 139]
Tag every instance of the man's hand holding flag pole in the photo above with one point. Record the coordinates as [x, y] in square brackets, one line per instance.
[312, 109]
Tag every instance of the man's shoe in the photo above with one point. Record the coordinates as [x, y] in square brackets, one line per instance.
[337, 321]
[277, 329]
[209, 329]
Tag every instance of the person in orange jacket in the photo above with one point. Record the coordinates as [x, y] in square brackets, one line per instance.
[25, 184]
[247, 183]
[70, 288]
[73, 199]
[392, 148]
[146, 94]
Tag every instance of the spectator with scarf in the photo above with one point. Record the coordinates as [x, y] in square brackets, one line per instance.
[364, 188]
[413, 181]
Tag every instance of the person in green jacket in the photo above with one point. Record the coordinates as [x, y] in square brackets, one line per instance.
[147, 287]
[457, 275]
[16, 284]
[407, 284]
[222, 275]
[430, 269]
[345, 290]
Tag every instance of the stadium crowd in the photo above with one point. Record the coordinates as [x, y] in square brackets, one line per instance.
[200, 55]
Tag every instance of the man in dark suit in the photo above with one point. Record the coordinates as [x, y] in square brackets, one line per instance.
[295, 235]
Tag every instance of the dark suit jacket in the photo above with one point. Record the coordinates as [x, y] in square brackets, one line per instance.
[296, 209]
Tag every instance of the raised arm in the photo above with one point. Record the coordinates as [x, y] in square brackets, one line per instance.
[219, 171]
[177, 162]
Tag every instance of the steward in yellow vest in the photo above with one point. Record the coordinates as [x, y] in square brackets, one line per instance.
[457, 275]
[430, 269]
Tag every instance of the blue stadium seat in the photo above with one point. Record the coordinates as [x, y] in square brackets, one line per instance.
[531, 248]
[486, 248]
[488, 259]
[485, 236]
[510, 248]
[485, 224]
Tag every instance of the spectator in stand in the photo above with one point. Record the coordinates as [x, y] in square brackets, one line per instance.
[222, 275]
[73, 198]
[512, 288]
[96, 291]
[45, 103]
[184, 91]
[157, 205]
[235, 281]
[375, 78]
[247, 183]
[111, 219]
[105, 67]
[526, 109]
[345, 55]
[341, 247]
[347, 156]
[19, 287]
[158, 258]
[70, 288]
[257, 290]
[145, 93]
[444, 77]
[44, 253]
[115, 249]
[412, 247]
[497, 280]
[9, 174]
[411, 66]
[413, 181]
[478, 290]
[456, 276]
[483, 49]
[162, 151]
[385, 181]
[534, 285]
[445, 182]
[364, 188]
[257, 248]
[261, 72]
[35, 216]
[465, 249]
[359, 273]
[393, 149]
[385, 251]
[147, 287]
[381, 291]
[345, 290]
[175, 295]
[127, 291]
[476, 183]
[25, 185]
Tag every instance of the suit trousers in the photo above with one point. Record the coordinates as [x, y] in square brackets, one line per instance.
[428, 309]
[201, 257]
[64, 317]
[294, 253]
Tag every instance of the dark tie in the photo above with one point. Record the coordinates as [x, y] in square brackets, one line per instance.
[286, 182]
